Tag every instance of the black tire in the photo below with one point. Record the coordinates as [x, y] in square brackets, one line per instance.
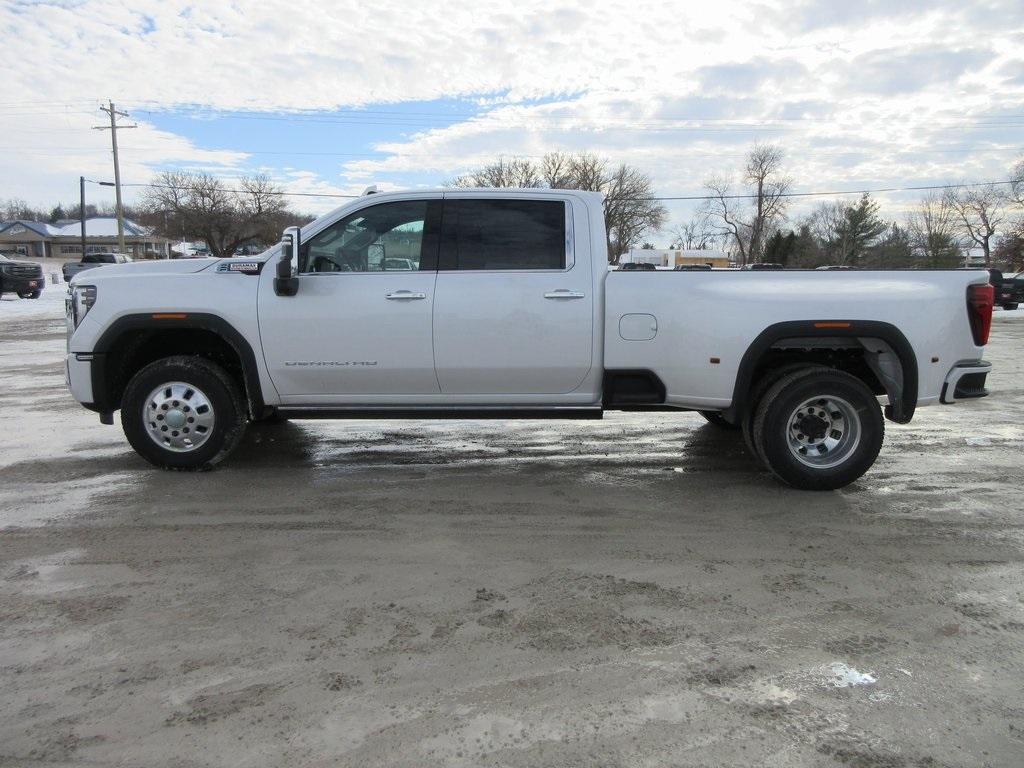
[225, 398]
[819, 387]
[757, 393]
[716, 418]
[1010, 306]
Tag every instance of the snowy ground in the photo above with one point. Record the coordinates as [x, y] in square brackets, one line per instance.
[48, 306]
[626, 592]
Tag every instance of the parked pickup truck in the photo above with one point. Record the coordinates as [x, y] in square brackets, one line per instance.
[90, 260]
[1009, 289]
[511, 312]
[24, 278]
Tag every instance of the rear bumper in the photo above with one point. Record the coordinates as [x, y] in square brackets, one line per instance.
[965, 381]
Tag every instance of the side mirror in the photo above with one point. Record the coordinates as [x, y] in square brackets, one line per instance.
[287, 282]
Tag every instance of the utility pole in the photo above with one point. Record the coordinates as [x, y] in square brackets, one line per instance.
[81, 209]
[114, 114]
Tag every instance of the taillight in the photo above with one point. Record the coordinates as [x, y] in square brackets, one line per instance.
[979, 311]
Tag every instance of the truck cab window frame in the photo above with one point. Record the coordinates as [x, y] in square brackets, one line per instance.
[503, 234]
[358, 242]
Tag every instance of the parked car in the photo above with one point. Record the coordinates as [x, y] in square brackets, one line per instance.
[764, 265]
[512, 313]
[692, 268]
[1009, 291]
[24, 278]
[395, 264]
[90, 260]
[832, 267]
[631, 266]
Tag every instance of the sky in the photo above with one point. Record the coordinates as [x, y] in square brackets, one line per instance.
[327, 98]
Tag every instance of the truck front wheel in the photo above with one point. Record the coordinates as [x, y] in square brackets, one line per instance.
[818, 429]
[183, 413]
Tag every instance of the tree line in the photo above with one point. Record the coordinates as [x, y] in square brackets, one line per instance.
[746, 215]
[750, 220]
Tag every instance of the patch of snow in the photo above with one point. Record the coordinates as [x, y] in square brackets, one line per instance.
[978, 440]
[845, 676]
[1007, 314]
[49, 306]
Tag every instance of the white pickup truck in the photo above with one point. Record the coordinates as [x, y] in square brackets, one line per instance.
[500, 304]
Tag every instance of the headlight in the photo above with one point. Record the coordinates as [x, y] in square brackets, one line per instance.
[82, 299]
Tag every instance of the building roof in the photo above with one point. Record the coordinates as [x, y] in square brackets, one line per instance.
[98, 226]
[102, 226]
[39, 227]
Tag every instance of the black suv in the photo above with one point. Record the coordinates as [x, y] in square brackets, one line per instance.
[21, 277]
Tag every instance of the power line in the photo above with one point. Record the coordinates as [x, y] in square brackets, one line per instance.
[833, 193]
[433, 156]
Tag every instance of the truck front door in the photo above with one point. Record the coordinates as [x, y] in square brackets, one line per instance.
[360, 326]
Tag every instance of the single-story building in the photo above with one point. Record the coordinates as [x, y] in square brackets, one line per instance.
[63, 240]
[669, 258]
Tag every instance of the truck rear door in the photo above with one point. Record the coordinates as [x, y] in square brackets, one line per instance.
[513, 306]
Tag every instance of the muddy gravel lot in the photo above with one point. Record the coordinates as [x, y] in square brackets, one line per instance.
[629, 592]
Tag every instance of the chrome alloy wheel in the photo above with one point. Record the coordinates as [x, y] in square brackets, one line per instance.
[178, 416]
[823, 432]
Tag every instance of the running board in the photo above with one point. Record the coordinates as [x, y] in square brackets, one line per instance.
[566, 414]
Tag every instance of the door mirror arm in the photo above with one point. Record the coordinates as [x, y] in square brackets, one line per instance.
[286, 283]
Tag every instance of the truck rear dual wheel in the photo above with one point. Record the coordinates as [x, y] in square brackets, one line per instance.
[818, 429]
[757, 392]
[183, 413]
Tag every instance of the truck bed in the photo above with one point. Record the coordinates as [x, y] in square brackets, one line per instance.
[706, 321]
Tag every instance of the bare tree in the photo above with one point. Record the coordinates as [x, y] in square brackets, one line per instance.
[980, 211]
[932, 229]
[1016, 194]
[748, 223]
[726, 215]
[514, 172]
[16, 208]
[693, 235]
[199, 205]
[630, 209]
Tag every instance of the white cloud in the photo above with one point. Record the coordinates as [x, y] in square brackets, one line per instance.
[869, 92]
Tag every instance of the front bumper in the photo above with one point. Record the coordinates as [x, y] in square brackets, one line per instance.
[23, 284]
[965, 381]
[79, 377]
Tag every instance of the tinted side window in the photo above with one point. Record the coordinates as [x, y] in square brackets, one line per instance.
[503, 234]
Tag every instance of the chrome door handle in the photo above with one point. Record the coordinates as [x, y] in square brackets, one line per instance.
[407, 295]
[564, 294]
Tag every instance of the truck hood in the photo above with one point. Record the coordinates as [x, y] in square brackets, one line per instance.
[160, 267]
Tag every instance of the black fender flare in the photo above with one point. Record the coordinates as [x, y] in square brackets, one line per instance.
[103, 398]
[902, 408]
